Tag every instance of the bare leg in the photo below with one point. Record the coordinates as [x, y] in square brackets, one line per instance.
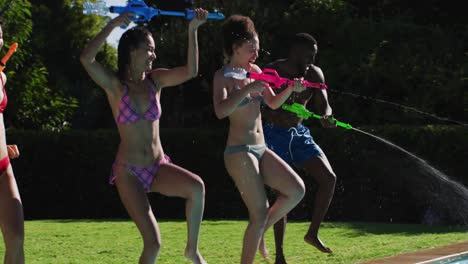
[279, 231]
[282, 178]
[243, 168]
[263, 249]
[134, 199]
[172, 180]
[320, 169]
[11, 218]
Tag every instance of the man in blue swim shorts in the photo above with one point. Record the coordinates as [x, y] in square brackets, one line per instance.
[291, 140]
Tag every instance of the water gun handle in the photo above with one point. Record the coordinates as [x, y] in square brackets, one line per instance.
[315, 85]
[303, 113]
[7, 56]
[190, 13]
[259, 77]
[171, 13]
[270, 76]
[299, 110]
[141, 10]
[276, 81]
[310, 84]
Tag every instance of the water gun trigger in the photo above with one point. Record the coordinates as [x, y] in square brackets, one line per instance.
[272, 72]
[268, 75]
[303, 113]
[141, 12]
[275, 80]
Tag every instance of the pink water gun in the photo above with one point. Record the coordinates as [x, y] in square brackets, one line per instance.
[268, 75]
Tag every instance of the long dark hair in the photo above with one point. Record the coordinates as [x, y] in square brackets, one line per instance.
[129, 41]
[236, 29]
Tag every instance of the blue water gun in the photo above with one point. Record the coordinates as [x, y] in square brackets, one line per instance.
[143, 13]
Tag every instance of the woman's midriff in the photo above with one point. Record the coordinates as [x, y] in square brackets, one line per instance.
[139, 146]
[241, 134]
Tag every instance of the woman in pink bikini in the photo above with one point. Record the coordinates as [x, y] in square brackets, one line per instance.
[141, 165]
[11, 208]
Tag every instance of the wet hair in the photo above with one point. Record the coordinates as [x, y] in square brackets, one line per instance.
[302, 39]
[236, 30]
[130, 40]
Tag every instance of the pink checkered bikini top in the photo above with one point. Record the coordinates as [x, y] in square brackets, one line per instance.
[128, 114]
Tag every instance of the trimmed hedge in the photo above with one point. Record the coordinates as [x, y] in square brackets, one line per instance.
[64, 175]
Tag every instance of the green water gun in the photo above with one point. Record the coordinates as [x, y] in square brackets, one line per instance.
[303, 113]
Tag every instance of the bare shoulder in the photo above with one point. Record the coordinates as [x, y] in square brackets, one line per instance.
[256, 69]
[275, 65]
[158, 71]
[156, 74]
[115, 90]
[315, 74]
[315, 69]
[218, 79]
[219, 75]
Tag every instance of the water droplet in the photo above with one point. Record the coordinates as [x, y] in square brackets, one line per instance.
[267, 52]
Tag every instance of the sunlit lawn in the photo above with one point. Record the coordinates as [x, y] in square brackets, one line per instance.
[118, 241]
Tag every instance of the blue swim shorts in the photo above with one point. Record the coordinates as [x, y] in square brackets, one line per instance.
[294, 145]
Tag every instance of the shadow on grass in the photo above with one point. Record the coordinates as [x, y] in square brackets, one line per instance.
[352, 229]
[160, 220]
[362, 228]
[102, 220]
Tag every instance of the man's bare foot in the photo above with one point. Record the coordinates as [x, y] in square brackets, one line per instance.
[263, 249]
[280, 259]
[316, 242]
[195, 256]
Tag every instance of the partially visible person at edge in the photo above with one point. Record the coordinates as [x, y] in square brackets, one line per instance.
[141, 165]
[286, 135]
[248, 161]
[11, 207]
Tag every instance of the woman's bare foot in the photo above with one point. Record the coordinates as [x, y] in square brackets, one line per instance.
[195, 256]
[263, 249]
[316, 242]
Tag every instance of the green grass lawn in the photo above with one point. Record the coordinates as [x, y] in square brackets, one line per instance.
[118, 241]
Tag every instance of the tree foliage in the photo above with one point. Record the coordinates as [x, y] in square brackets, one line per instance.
[60, 53]
[370, 52]
[378, 63]
[32, 102]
